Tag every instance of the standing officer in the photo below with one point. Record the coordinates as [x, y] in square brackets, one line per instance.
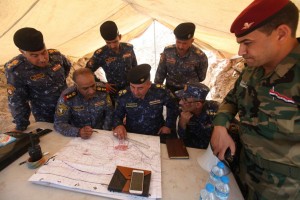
[142, 105]
[84, 106]
[182, 62]
[115, 58]
[195, 122]
[35, 79]
[267, 98]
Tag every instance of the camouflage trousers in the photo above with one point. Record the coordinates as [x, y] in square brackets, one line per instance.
[261, 184]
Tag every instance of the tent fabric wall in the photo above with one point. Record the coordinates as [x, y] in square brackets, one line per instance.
[72, 26]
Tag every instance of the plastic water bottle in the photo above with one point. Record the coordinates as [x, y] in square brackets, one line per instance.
[208, 192]
[222, 188]
[216, 173]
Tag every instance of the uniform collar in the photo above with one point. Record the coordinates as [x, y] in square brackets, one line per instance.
[288, 62]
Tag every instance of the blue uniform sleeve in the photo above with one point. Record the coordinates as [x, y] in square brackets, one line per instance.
[202, 67]
[181, 132]
[67, 65]
[108, 115]
[172, 110]
[61, 119]
[18, 95]
[94, 61]
[161, 71]
[133, 57]
[119, 113]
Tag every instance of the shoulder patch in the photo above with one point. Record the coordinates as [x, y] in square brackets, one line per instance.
[61, 109]
[12, 63]
[122, 92]
[70, 95]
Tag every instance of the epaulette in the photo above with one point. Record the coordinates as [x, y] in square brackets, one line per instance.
[70, 95]
[122, 92]
[12, 63]
[101, 88]
[170, 46]
[162, 86]
[53, 51]
[98, 51]
[198, 52]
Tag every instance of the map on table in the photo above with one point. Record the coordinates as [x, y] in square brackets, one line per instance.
[88, 165]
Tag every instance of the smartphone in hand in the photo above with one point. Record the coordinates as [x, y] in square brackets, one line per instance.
[137, 182]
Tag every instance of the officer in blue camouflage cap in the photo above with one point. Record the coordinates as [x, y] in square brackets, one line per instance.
[84, 106]
[197, 114]
[115, 58]
[35, 79]
[142, 105]
[181, 62]
[266, 97]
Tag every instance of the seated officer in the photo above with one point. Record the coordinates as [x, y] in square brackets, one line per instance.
[195, 122]
[142, 105]
[82, 107]
[35, 79]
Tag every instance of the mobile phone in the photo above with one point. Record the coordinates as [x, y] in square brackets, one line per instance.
[137, 182]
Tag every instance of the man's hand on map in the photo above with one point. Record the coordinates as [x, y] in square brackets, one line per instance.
[85, 132]
[120, 132]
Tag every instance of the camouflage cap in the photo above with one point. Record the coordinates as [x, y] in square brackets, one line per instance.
[185, 31]
[29, 39]
[139, 74]
[195, 90]
[109, 30]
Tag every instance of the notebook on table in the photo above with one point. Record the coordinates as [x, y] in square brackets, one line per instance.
[176, 149]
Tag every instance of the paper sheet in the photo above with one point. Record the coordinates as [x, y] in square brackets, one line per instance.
[88, 165]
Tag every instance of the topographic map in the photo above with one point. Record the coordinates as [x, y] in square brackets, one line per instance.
[88, 165]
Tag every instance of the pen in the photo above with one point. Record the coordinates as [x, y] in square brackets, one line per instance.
[23, 162]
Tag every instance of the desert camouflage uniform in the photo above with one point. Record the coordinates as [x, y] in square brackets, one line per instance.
[74, 112]
[198, 131]
[41, 86]
[268, 107]
[114, 65]
[179, 70]
[145, 116]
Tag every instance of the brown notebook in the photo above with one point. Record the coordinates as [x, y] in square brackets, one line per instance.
[120, 181]
[176, 148]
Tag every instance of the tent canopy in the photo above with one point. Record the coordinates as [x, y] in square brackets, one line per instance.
[72, 26]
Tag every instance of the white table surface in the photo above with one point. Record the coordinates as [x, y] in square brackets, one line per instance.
[181, 178]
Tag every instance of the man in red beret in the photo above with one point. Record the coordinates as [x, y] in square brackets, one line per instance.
[267, 98]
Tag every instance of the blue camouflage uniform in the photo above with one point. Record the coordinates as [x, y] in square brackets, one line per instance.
[145, 116]
[41, 86]
[198, 131]
[74, 112]
[179, 70]
[114, 65]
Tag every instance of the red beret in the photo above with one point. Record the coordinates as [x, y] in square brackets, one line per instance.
[255, 15]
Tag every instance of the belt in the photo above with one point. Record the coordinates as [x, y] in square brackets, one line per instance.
[287, 170]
